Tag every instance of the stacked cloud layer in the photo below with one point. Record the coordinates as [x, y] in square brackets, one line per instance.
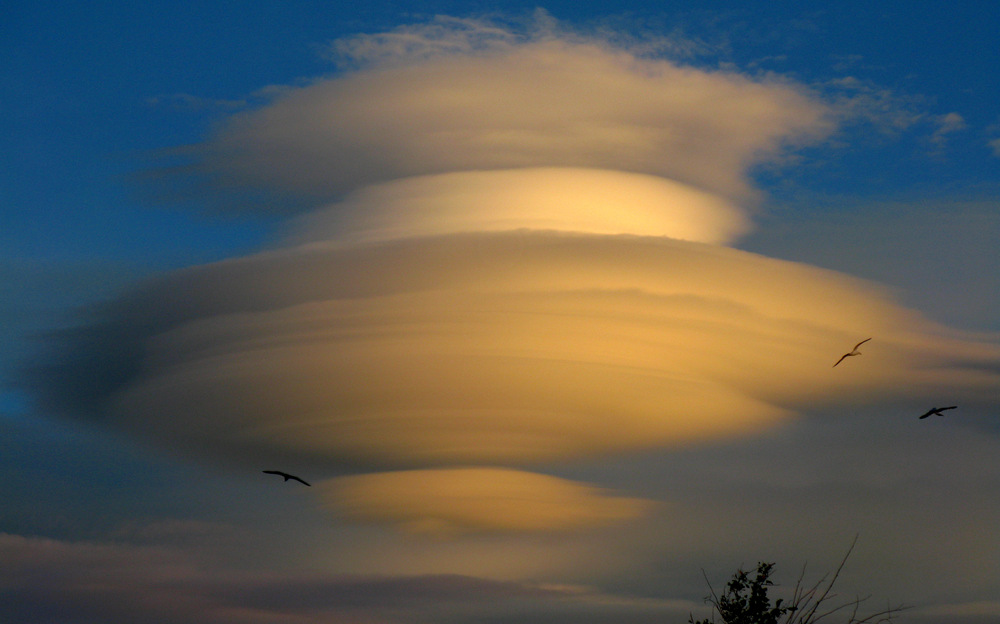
[549, 283]
[489, 102]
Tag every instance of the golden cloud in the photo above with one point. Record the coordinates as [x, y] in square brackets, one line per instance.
[464, 500]
[594, 201]
[514, 347]
[538, 101]
[490, 293]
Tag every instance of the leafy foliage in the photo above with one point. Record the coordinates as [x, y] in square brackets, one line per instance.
[745, 601]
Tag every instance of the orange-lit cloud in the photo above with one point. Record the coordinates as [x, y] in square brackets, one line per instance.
[530, 268]
[459, 500]
[594, 201]
[504, 348]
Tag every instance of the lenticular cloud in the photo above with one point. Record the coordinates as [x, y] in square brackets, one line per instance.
[594, 201]
[462, 500]
[521, 259]
[479, 101]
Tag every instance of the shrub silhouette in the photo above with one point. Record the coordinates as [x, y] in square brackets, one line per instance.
[745, 600]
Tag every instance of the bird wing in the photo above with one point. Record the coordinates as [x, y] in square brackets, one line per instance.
[929, 412]
[285, 475]
[860, 343]
[841, 359]
[952, 407]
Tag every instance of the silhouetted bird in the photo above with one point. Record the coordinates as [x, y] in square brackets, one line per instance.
[936, 411]
[854, 351]
[285, 475]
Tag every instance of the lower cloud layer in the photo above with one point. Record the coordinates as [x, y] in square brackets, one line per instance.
[461, 500]
[496, 349]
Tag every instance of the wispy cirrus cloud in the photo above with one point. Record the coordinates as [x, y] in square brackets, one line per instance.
[946, 125]
[995, 146]
[188, 101]
[863, 101]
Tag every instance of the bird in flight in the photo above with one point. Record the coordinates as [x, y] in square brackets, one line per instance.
[285, 475]
[854, 351]
[936, 411]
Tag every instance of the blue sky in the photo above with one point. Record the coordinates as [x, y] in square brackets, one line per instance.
[805, 176]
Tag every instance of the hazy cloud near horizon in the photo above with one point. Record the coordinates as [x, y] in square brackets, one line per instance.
[94, 582]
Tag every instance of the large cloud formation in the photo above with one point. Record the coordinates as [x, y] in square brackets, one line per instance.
[465, 96]
[524, 263]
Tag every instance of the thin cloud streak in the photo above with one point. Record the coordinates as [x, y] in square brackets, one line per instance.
[54, 580]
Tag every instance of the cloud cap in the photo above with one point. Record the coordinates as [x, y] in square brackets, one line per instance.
[544, 99]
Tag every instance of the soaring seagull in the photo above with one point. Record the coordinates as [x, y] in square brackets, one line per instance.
[937, 411]
[285, 475]
[854, 351]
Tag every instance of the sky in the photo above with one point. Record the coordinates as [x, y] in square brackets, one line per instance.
[543, 301]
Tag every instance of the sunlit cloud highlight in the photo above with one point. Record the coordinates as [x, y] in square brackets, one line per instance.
[594, 201]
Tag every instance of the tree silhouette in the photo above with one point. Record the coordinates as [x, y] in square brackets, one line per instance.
[745, 600]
